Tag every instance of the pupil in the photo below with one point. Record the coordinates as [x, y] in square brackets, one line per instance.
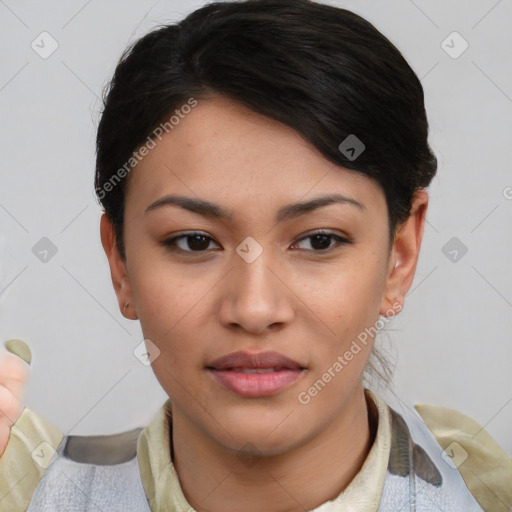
[197, 246]
[200, 242]
[324, 241]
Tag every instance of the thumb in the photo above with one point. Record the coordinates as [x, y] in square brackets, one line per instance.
[14, 367]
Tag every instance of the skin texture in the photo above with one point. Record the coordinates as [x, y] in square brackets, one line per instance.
[307, 301]
[14, 373]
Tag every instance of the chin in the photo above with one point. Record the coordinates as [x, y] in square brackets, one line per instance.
[255, 434]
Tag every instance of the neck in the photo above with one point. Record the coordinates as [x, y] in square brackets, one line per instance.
[215, 479]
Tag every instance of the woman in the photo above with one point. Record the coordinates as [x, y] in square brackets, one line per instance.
[262, 166]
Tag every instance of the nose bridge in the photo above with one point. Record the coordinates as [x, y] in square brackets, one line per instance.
[258, 297]
[255, 259]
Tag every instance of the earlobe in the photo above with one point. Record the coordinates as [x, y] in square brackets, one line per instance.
[119, 275]
[405, 254]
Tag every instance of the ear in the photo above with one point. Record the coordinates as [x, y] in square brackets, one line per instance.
[404, 256]
[120, 278]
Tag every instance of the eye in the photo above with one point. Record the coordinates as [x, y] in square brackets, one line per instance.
[320, 241]
[190, 242]
[196, 242]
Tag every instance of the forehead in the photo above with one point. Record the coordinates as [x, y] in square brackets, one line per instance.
[223, 151]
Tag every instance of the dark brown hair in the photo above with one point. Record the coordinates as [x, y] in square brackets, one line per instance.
[324, 71]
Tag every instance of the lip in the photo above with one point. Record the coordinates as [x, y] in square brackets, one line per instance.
[280, 372]
[249, 360]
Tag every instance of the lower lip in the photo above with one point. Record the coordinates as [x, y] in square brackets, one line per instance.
[256, 384]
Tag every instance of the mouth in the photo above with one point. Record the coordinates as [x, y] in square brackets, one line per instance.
[253, 370]
[255, 375]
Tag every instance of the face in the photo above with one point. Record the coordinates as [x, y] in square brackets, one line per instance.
[255, 274]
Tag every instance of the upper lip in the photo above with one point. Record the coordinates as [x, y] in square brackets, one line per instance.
[254, 360]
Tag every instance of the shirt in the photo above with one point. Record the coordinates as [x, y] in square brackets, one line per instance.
[487, 472]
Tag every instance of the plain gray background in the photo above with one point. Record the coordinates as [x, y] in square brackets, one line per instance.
[452, 341]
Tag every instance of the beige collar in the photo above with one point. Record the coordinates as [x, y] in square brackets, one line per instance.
[164, 492]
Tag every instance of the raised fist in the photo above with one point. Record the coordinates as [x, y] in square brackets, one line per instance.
[14, 371]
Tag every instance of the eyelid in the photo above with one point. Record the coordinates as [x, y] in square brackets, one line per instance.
[324, 231]
[170, 242]
[340, 239]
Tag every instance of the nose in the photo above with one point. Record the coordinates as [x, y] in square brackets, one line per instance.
[257, 298]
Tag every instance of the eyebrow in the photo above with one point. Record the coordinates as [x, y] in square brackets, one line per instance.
[216, 211]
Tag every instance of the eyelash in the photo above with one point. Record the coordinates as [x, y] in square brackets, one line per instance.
[170, 243]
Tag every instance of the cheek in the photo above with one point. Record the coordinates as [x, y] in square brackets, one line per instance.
[164, 292]
[346, 306]
[175, 313]
[349, 295]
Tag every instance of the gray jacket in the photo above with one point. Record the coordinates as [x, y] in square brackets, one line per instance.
[101, 474]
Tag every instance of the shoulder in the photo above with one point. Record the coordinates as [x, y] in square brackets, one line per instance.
[33, 442]
[482, 463]
[106, 465]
